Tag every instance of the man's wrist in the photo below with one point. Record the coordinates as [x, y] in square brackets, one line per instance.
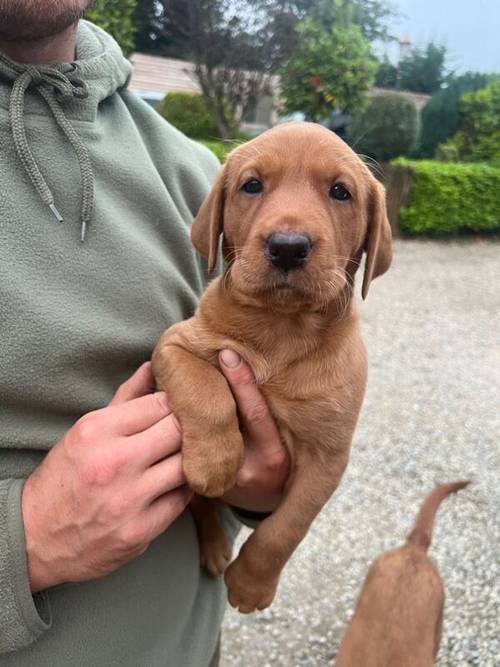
[39, 575]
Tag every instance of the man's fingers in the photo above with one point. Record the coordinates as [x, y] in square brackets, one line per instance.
[252, 407]
[162, 439]
[133, 416]
[164, 476]
[165, 509]
[139, 384]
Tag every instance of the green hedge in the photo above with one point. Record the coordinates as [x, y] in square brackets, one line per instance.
[449, 198]
[220, 148]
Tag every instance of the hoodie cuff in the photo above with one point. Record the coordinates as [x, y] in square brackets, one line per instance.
[249, 518]
[24, 617]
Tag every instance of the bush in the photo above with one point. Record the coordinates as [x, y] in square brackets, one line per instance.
[387, 128]
[449, 198]
[189, 113]
[441, 114]
[478, 139]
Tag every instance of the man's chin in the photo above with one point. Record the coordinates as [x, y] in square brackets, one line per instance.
[32, 20]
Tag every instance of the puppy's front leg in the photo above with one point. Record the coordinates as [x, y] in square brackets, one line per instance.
[253, 577]
[212, 446]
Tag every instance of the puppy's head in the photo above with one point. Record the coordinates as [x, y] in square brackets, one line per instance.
[297, 208]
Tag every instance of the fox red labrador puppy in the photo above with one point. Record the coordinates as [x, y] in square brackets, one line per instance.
[398, 617]
[296, 209]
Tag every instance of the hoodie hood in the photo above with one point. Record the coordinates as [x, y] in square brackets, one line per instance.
[68, 90]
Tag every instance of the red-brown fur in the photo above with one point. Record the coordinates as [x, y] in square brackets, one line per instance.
[299, 333]
[398, 616]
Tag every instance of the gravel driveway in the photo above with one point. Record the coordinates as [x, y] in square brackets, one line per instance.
[431, 414]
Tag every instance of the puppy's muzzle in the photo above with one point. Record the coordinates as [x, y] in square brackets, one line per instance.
[288, 251]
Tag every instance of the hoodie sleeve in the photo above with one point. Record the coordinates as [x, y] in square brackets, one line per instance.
[23, 617]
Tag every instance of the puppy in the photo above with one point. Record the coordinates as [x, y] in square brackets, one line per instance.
[398, 617]
[296, 209]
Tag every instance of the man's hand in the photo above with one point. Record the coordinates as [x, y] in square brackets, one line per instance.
[111, 485]
[261, 479]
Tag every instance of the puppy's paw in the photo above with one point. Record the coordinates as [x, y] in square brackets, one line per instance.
[246, 592]
[211, 462]
[215, 554]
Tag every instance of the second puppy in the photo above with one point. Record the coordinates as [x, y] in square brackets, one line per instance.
[399, 613]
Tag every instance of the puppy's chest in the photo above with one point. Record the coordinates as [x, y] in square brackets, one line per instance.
[312, 394]
[306, 417]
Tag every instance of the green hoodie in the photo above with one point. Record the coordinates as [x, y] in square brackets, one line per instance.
[76, 319]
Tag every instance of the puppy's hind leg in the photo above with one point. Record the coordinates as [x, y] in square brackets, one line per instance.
[252, 579]
[215, 547]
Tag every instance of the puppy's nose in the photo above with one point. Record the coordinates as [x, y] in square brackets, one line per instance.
[288, 250]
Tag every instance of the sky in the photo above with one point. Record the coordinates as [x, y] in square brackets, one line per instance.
[470, 29]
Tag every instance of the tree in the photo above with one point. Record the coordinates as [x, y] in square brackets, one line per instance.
[386, 128]
[331, 69]
[230, 55]
[372, 16]
[442, 113]
[478, 139]
[387, 74]
[423, 70]
[117, 18]
[237, 45]
[158, 31]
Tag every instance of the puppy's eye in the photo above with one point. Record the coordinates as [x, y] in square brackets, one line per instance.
[339, 192]
[252, 187]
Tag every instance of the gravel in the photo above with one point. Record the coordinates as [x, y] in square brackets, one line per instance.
[431, 414]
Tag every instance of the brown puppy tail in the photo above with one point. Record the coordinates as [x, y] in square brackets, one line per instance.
[421, 534]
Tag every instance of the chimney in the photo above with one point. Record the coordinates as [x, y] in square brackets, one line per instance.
[405, 45]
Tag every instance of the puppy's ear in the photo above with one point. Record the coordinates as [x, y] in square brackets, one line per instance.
[378, 243]
[208, 224]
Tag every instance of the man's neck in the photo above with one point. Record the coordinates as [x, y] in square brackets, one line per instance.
[57, 49]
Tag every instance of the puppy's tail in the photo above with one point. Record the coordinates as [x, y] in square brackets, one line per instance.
[421, 534]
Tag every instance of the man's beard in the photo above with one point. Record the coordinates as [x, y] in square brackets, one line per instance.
[32, 20]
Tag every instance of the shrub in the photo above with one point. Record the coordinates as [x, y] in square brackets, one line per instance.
[189, 113]
[478, 139]
[441, 114]
[387, 128]
[449, 198]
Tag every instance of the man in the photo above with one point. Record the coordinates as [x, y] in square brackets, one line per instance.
[98, 554]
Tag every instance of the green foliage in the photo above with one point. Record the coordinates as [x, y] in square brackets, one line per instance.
[478, 139]
[236, 45]
[220, 148]
[441, 115]
[163, 26]
[423, 70]
[372, 16]
[452, 198]
[331, 69]
[117, 18]
[387, 128]
[387, 74]
[189, 113]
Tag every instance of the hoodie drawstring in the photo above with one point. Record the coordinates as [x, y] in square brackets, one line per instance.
[56, 86]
